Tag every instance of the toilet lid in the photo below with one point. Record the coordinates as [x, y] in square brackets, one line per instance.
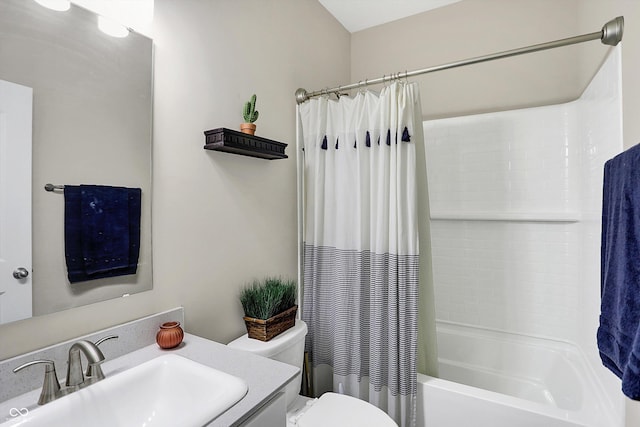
[339, 410]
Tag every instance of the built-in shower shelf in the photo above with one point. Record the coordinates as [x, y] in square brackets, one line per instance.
[231, 141]
[507, 216]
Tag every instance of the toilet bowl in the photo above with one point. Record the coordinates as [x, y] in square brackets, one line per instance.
[331, 409]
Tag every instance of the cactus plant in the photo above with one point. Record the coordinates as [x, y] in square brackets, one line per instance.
[250, 113]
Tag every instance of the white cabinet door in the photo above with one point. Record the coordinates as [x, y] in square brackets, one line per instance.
[15, 201]
[271, 414]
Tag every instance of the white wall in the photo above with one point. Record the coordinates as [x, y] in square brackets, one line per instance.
[599, 119]
[219, 220]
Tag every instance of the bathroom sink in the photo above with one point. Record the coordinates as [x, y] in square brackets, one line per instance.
[169, 390]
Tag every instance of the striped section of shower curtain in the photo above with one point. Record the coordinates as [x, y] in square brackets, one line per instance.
[361, 257]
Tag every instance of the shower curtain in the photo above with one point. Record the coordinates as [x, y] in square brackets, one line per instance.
[361, 265]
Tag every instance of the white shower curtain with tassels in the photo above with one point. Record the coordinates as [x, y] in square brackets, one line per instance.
[361, 245]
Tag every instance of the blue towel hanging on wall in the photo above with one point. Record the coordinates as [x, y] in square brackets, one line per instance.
[102, 231]
[619, 332]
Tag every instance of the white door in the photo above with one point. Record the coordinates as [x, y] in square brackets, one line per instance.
[15, 201]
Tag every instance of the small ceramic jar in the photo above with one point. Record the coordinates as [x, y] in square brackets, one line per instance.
[170, 335]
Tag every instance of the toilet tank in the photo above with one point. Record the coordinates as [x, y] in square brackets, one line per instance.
[288, 347]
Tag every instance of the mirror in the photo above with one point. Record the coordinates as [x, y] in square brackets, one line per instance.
[91, 124]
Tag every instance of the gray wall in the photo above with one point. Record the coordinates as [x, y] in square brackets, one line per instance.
[219, 220]
[472, 28]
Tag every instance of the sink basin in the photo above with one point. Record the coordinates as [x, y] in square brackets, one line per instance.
[169, 390]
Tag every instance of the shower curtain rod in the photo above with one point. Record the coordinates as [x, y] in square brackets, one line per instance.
[610, 34]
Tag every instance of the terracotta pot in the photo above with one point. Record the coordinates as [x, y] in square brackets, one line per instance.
[249, 128]
[170, 335]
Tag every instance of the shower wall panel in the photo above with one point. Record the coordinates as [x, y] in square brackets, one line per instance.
[504, 199]
[515, 204]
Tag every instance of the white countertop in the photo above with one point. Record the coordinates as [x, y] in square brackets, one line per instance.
[263, 376]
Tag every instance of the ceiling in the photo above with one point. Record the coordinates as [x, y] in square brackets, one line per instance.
[356, 15]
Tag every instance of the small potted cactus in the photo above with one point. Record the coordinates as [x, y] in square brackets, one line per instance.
[250, 115]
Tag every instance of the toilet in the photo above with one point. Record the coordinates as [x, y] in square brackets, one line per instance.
[331, 409]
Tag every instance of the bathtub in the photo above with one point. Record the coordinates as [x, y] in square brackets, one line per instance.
[497, 379]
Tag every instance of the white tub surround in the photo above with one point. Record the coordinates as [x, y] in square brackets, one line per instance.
[264, 377]
[548, 378]
[515, 199]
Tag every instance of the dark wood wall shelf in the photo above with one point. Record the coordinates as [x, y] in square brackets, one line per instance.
[231, 141]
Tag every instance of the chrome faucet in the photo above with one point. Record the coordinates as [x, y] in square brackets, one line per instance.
[75, 377]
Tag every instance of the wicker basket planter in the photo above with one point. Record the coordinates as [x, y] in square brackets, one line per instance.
[264, 330]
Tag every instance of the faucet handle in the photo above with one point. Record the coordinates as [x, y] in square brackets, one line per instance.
[109, 337]
[95, 370]
[50, 386]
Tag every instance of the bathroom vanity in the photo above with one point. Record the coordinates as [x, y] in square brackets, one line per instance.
[263, 404]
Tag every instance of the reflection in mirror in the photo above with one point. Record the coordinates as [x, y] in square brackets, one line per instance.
[15, 203]
[91, 124]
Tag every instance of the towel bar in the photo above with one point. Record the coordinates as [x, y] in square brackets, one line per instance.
[51, 187]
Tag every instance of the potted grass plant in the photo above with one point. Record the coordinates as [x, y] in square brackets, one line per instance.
[269, 307]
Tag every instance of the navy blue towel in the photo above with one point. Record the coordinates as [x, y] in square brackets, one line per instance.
[619, 332]
[102, 231]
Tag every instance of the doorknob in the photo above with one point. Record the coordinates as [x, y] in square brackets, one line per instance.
[20, 273]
